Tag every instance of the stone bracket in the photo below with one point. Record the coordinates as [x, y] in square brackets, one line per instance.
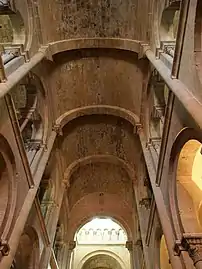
[4, 247]
[57, 128]
[146, 202]
[192, 243]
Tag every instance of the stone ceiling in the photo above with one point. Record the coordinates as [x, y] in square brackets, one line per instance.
[97, 93]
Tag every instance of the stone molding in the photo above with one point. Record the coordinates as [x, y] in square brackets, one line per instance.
[90, 43]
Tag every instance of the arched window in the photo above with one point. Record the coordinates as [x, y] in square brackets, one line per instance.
[101, 231]
[189, 186]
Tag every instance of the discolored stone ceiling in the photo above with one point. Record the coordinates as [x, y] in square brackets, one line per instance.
[93, 18]
[99, 149]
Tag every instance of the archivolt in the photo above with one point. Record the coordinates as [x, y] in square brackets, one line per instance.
[101, 252]
[87, 43]
[93, 110]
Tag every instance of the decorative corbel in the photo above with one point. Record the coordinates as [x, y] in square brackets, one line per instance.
[192, 243]
[143, 48]
[137, 128]
[146, 202]
[58, 130]
[129, 245]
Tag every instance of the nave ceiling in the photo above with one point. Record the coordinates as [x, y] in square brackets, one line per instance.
[95, 92]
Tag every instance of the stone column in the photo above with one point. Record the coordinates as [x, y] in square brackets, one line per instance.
[134, 254]
[70, 247]
[192, 243]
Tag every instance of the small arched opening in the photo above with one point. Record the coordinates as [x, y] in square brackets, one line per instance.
[189, 185]
[101, 231]
[101, 234]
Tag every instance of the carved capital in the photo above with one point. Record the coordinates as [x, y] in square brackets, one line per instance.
[66, 182]
[57, 128]
[192, 243]
[72, 245]
[138, 243]
[4, 248]
[138, 128]
[129, 245]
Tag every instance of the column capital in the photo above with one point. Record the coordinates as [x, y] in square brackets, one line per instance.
[129, 245]
[71, 245]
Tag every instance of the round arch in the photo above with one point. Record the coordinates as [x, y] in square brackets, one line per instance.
[116, 219]
[111, 43]
[96, 159]
[111, 254]
[95, 110]
[117, 225]
[184, 218]
[8, 187]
